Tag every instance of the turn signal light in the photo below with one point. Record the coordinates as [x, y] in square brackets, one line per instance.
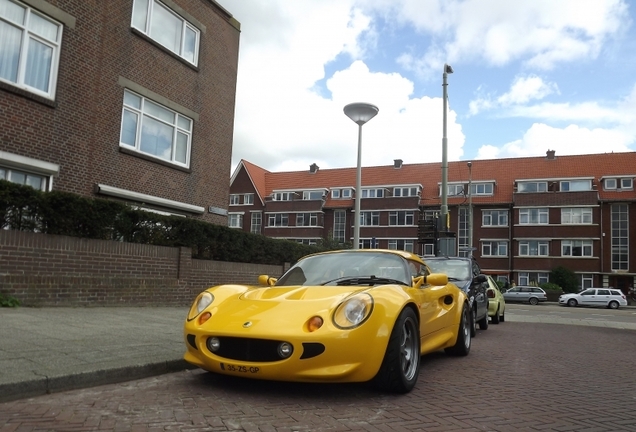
[314, 323]
[204, 317]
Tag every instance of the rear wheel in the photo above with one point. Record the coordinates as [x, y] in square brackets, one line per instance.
[462, 346]
[503, 317]
[401, 363]
[483, 323]
[495, 317]
[534, 301]
[473, 322]
[572, 302]
[613, 305]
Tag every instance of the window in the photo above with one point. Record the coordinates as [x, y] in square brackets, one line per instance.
[153, 129]
[307, 219]
[235, 220]
[454, 189]
[313, 195]
[524, 279]
[36, 181]
[234, 199]
[576, 216]
[463, 229]
[335, 193]
[401, 218]
[405, 245]
[405, 191]
[576, 248]
[257, 223]
[620, 237]
[610, 183]
[576, 185]
[307, 242]
[532, 187]
[494, 248]
[368, 218]
[494, 217]
[627, 183]
[278, 220]
[248, 199]
[481, 188]
[533, 248]
[369, 244]
[282, 196]
[372, 193]
[163, 25]
[586, 281]
[29, 48]
[533, 216]
[429, 249]
[339, 225]
[346, 193]
[532, 278]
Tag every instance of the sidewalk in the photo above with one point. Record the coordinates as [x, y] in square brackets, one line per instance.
[47, 350]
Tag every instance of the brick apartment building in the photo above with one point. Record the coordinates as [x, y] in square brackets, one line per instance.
[529, 215]
[124, 99]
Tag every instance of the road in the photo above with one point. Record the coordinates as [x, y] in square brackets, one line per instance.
[519, 376]
[552, 313]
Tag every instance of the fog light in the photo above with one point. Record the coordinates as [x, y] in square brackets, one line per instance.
[213, 344]
[285, 350]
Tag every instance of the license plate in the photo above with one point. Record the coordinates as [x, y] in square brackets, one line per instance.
[239, 369]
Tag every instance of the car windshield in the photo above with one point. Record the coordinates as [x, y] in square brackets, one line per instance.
[455, 269]
[347, 267]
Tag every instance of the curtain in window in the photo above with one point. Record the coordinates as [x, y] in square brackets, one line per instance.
[10, 41]
[38, 68]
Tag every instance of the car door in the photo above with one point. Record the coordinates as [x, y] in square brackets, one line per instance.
[603, 297]
[429, 298]
[587, 297]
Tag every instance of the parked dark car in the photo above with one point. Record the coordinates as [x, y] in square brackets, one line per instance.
[466, 274]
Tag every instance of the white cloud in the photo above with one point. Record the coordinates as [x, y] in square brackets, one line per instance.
[523, 90]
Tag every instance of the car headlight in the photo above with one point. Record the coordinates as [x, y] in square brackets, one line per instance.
[204, 300]
[353, 311]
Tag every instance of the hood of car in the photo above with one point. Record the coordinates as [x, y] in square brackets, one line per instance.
[569, 295]
[310, 293]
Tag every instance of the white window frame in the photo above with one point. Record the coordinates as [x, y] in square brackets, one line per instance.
[149, 7]
[335, 193]
[312, 195]
[610, 183]
[369, 218]
[587, 281]
[248, 199]
[488, 217]
[28, 36]
[579, 185]
[346, 193]
[256, 222]
[568, 246]
[373, 193]
[235, 220]
[534, 216]
[524, 278]
[538, 186]
[307, 219]
[405, 191]
[339, 225]
[527, 247]
[141, 113]
[282, 196]
[576, 216]
[481, 189]
[234, 199]
[494, 248]
[407, 245]
[429, 249]
[627, 183]
[401, 218]
[278, 220]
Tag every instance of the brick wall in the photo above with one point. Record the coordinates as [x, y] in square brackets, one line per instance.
[49, 270]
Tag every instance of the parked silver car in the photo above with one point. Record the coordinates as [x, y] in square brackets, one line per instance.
[599, 297]
[525, 294]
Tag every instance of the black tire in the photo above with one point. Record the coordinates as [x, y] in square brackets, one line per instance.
[572, 303]
[473, 323]
[503, 317]
[613, 305]
[495, 317]
[462, 346]
[533, 301]
[401, 365]
[483, 323]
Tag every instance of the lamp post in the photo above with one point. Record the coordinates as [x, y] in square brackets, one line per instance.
[444, 210]
[470, 208]
[360, 113]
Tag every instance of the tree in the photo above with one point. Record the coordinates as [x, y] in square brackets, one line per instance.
[565, 278]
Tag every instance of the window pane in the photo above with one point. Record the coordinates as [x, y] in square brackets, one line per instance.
[17, 177]
[129, 128]
[189, 44]
[184, 123]
[10, 54]
[34, 182]
[166, 28]
[156, 138]
[158, 111]
[12, 11]
[43, 27]
[3, 174]
[132, 100]
[38, 68]
[140, 14]
[181, 152]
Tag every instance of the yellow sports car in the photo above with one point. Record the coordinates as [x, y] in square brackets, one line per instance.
[339, 316]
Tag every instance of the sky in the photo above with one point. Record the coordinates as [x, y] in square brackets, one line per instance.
[528, 76]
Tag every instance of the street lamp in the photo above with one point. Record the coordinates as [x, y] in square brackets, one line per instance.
[470, 208]
[360, 113]
[444, 210]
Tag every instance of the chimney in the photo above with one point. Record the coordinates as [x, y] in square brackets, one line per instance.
[313, 168]
[397, 163]
[550, 155]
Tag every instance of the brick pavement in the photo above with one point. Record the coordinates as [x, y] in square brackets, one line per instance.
[518, 377]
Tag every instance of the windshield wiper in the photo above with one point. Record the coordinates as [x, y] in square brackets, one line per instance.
[364, 280]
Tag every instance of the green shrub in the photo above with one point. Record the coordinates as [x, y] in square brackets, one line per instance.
[548, 286]
[8, 301]
[565, 278]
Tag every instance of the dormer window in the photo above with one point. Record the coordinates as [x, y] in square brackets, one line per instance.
[335, 193]
[532, 186]
[576, 185]
[373, 193]
[282, 196]
[627, 183]
[614, 183]
[405, 191]
[610, 183]
[312, 195]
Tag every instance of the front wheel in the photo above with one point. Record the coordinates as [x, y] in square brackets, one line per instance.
[613, 305]
[572, 303]
[462, 346]
[534, 301]
[400, 367]
[473, 322]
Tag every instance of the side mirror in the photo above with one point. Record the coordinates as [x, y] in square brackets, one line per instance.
[437, 279]
[417, 281]
[265, 280]
[480, 279]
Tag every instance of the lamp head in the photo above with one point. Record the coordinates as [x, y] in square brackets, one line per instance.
[360, 112]
[448, 68]
[470, 164]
